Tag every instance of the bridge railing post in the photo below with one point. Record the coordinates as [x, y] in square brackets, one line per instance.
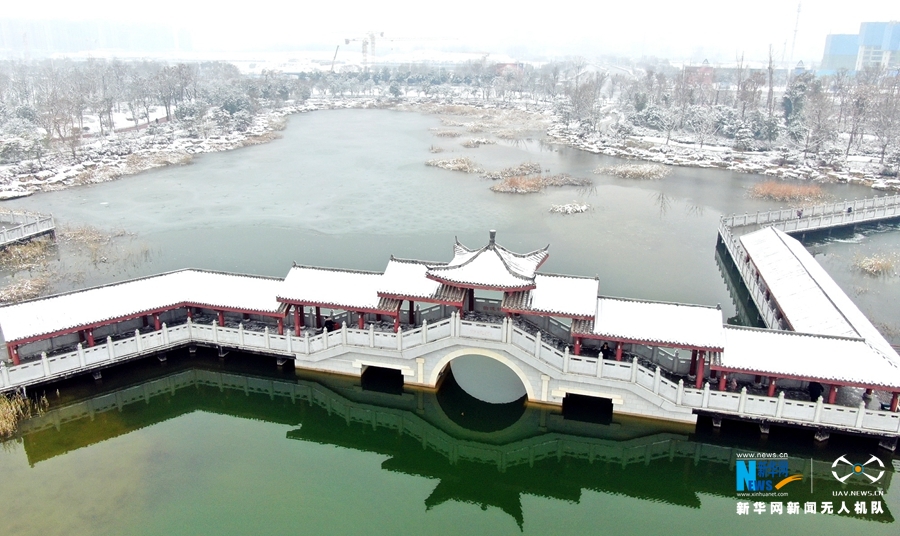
[344, 333]
[537, 345]
[45, 364]
[4, 373]
[165, 333]
[424, 332]
[817, 416]
[860, 414]
[109, 349]
[266, 338]
[399, 336]
[566, 360]
[679, 395]
[80, 350]
[634, 369]
[241, 334]
[371, 336]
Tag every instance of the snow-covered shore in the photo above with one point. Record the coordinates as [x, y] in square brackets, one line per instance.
[126, 153]
[784, 165]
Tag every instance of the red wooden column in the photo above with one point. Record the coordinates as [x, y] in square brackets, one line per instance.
[221, 319]
[412, 313]
[362, 320]
[701, 363]
[578, 346]
[298, 319]
[89, 335]
[14, 355]
[771, 386]
[693, 369]
[472, 300]
[721, 380]
[190, 313]
[832, 394]
[318, 318]
[156, 325]
[619, 351]
[281, 326]
[895, 399]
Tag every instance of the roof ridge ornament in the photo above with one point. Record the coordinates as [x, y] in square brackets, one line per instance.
[493, 235]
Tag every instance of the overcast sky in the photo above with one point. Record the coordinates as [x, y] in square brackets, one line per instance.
[681, 30]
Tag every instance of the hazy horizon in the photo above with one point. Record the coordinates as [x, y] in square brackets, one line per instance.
[690, 31]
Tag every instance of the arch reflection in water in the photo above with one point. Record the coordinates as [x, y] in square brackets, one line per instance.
[474, 414]
[540, 454]
[486, 378]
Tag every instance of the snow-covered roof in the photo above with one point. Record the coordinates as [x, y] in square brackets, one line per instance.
[491, 267]
[97, 305]
[808, 297]
[807, 356]
[556, 295]
[655, 323]
[405, 278]
[340, 289]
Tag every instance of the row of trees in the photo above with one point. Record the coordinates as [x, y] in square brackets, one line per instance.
[46, 103]
[750, 109]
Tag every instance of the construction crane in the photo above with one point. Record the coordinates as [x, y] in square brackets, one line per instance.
[368, 46]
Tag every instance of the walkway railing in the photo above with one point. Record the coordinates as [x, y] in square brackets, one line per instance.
[431, 337]
[761, 298]
[821, 216]
[18, 226]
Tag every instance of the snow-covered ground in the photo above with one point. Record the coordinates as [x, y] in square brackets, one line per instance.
[785, 165]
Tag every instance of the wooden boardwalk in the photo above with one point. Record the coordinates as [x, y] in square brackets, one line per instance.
[22, 226]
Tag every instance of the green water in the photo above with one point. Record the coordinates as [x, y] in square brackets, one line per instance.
[347, 189]
[184, 456]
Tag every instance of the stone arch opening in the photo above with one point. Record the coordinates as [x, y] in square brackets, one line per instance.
[487, 375]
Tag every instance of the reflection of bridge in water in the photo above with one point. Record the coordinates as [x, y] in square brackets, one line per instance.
[553, 334]
[541, 454]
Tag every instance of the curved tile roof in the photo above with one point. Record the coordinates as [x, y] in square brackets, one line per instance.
[491, 267]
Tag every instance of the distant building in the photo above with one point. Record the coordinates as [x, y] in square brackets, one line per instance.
[699, 75]
[877, 45]
[840, 52]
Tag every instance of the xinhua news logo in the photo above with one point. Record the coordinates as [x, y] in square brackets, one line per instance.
[763, 475]
[843, 469]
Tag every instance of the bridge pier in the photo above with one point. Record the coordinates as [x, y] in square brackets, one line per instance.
[888, 443]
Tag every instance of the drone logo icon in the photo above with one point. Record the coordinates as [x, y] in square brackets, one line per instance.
[838, 468]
